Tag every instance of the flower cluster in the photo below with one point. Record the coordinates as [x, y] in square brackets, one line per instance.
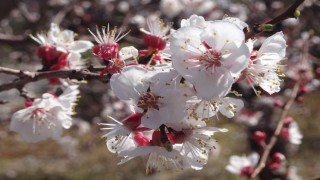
[174, 87]
[46, 116]
[174, 99]
[58, 50]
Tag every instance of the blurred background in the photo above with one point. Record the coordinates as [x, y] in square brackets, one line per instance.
[81, 153]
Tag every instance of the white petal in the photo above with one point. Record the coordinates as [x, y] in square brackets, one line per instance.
[81, 46]
[219, 33]
[235, 21]
[230, 106]
[238, 58]
[128, 52]
[210, 85]
[194, 21]
[185, 43]
[272, 50]
[129, 83]
[270, 83]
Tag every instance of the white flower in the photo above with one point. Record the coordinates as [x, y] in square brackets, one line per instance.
[293, 174]
[171, 8]
[203, 109]
[108, 47]
[69, 97]
[295, 135]
[242, 165]
[210, 58]
[194, 21]
[45, 118]
[156, 37]
[264, 69]
[127, 55]
[195, 143]
[59, 50]
[159, 158]
[62, 40]
[120, 136]
[156, 27]
[155, 92]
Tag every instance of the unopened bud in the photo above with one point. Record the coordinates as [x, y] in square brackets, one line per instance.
[300, 99]
[267, 27]
[259, 137]
[278, 103]
[288, 120]
[296, 13]
[278, 157]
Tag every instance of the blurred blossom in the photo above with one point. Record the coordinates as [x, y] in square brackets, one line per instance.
[82, 126]
[171, 8]
[248, 117]
[69, 145]
[59, 2]
[123, 6]
[291, 22]
[261, 6]
[293, 173]
[294, 133]
[139, 20]
[239, 10]
[243, 165]
[277, 4]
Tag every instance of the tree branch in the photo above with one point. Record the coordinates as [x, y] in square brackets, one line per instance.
[274, 138]
[284, 113]
[26, 77]
[289, 13]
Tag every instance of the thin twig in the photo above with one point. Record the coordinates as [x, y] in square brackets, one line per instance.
[274, 138]
[284, 113]
[289, 13]
[26, 77]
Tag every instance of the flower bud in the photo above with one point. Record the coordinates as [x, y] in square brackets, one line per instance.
[296, 13]
[259, 137]
[278, 103]
[267, 27]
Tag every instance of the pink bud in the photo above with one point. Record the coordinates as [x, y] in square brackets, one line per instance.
[303, 89]
[154, 42]
[28, 103]
[278, 157]
[48, 53]
[300, 99]
[318, 71]
[278, 103]
[246, 171]
[276, 161]
[259, 137]
[288, 120]
[285, 133]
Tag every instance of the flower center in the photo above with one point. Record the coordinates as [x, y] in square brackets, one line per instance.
[39, 114]
[211, 57]
[115, 66]
[148, 100]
